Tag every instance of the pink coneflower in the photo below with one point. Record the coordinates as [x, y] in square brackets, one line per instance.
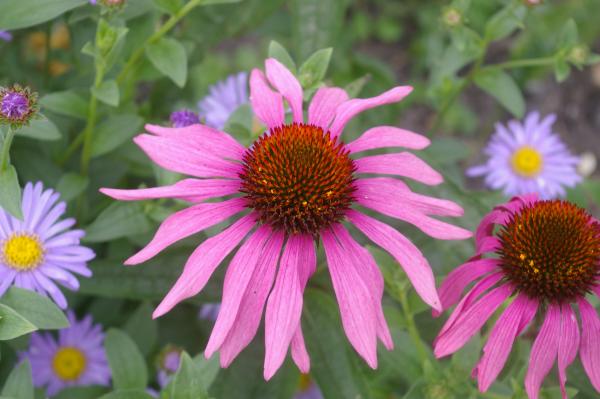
[547, 258]
[294, 186]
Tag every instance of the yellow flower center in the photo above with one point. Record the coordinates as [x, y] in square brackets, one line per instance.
[22, 252]
[527, 162]
[68, 363]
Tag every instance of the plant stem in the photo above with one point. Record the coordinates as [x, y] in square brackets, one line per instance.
[166, 27]
[10, 134]
[411, 326]
[88, 132]
[526, 62]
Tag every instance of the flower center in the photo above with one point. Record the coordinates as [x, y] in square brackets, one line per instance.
[527, 162]
[298, 179]
[68, 363]
[551, 251]
[22, 252]
[14, 105]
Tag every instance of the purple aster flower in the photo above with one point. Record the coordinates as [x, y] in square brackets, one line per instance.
[76, 358]
[17, 105]
[183, 118]
[223, 99]
[168, 363]
[5, 35]
[40, 251]
[528, 158]
[209, 311]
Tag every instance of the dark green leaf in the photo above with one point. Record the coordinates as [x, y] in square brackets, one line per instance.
[355, 87]
[128, 394]
[503, 88]
[207, 369]
[37, 309]
[314, 68]
[126, 362]
[333, 367]
[71, 185]
[568, 35]
[186, 382]
[10, 192]
[40, 129]
[19, 384]
[24, 13]
[113, 132]
[142, 328]
[66, 103]
[505, 21]
[120, 219]
[12, 324]
[168, 6]
[279, 52]
[169, 57]
[107, 92]
[91, 392]
[561, 69]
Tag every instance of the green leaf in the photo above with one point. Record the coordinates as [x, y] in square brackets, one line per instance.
[115, 131]
[334, 369]
[125, 360]
[168, 6]
[315, 67]
[207, 369]
[120, 219]
[568, 35]
[66, 103]
[107, 92]
[142, 328]
[90, 392]
[355, 87]
[186, 382]
[128, 394]
[279, 52]
[503, 88]
[19, 384]
[24, 13]
[40, 129]
[10, 192]
[36, 308]
[71, 185]
[505, 21]
[562, 69]
[169, 57]
[12, 324]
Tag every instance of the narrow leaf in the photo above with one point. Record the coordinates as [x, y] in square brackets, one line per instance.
[126, 362]
[10, 192]
[120, 219]
[169, 57]
[107, 92]
[503, 88]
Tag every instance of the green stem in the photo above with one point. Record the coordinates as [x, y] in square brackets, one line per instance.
[166, 27]
[526, 62]
[10, 134]
[411, 326]
[71, 149]
[88, 132]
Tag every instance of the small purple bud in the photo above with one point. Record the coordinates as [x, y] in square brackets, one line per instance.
[5, 35]
[184, 118]
[14, 105]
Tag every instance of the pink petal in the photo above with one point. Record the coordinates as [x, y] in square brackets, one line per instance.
[470, 321]
[487, 224]
[401, 164]
[237, 279]
[251, 308]
[543, 352]
[488, 244]
[202, 137]
[406, 254]
[267, 104]
[469, 299]
[358, 316]
[499, 344]
[388, 136]
[323, 106]
[187, 222]
[299, 353]
[351, 108]
[589, 351]
[596, 289]
[568, 344]
[430, 226]
[194, 190]
[203, 262]
[286, 84]
[367, 267]
[392, 190]
[458, 279]
[284, 307]
[179, 157]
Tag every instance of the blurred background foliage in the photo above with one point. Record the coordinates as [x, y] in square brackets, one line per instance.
[472, 63]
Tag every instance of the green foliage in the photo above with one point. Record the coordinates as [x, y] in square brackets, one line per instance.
[126, 362]
[168, 56]
[19, 385]
[10, 194]
[36, 309]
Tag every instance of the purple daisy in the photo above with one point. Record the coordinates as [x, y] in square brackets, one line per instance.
[40, 251]
[76, 358]
[528, 158]
[6, 35]
[223, 99]
[168, 363]
[184, 118]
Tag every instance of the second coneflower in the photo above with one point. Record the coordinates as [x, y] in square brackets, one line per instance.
[545, 260]
[294, 186]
